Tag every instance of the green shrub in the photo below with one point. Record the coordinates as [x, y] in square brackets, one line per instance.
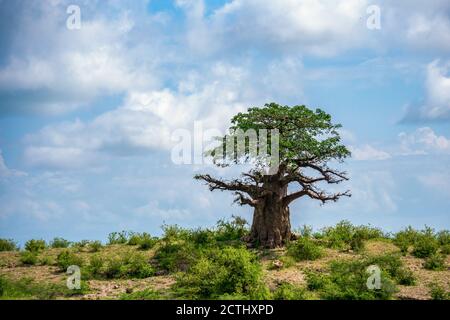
[316, 281]
[287, 291]
[26, 288]
[338, 236]
[357, 242]
[8, 245]
[147, 294]
[202, 237]
[59, 243]
[147, 241]
[305, 231]
[406, 238]
[304, 249]
[128, 266]
[46, 261]
[95, 267]
[118, 237]
[435, 262]
[438, 293]
[219, 273]
[348, 281]
[392, 264]
[445, 249]
[81, 244]
[67, 258]
[95, 246]
[176, 256]
[443, 237]
[232, 230]
[405, 277]
[425, 246]
[35, 245]
[28, 258]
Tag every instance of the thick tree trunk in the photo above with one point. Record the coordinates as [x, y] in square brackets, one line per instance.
[271, 225]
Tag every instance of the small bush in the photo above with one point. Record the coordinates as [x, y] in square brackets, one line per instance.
[35, 245]
[8, 245]
[81, 244]
[59, 243]
[202, 237]
[287, 291]
[304, 249]
[128, 266]
[26, 288]
[221, 273]
[118, 237]
[445, 249]
[443, 237]
[95, 267]
[348, 281]
[406, 238]
[392, 264]
[438, 293]
[28, 258]
[231, 230]
[147, 242]
[357, 242]
[435, 262]
[316, 281]
[147, 294]
[95, 246]
[67, 258]
[176, 256]
[425, 247]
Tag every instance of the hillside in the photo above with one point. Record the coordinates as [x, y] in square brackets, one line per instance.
[214, 264]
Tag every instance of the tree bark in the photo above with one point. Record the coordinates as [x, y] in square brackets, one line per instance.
[271, 227]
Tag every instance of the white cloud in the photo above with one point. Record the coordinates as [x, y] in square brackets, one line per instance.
[439, 181]
[423, 141]
[367, 152]
[438, 91]
[7, 172]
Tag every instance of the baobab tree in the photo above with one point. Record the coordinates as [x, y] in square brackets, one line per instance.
[307, 142]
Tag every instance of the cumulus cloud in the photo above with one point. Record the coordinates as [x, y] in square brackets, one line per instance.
[7, 172]
[54, 69]
[423, 141]
[437, 95]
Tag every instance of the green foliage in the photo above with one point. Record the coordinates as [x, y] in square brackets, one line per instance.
[81, 244]
[128, 266]
[435, 261]
[176, 256]
[437, 292]
[146, 241]
[35, 245]
[287, 291]
[28, 258]
[445, 249]
[443, 237]
[8, 245]
[224, 272]
[234, 229]
[392, 264]
[303, 133]
[95, 246]
[304, 249]
[26, 288]
[118, 237]
[147, 294]
[347, 280]
[67, 258]
[59, 243]
[344, 235]
[425, 246]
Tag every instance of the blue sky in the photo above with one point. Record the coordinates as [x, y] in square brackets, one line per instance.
[86, 115]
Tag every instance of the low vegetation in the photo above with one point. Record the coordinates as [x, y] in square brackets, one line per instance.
[214, 263]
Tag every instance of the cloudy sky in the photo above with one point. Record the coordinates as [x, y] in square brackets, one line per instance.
[87, 114]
